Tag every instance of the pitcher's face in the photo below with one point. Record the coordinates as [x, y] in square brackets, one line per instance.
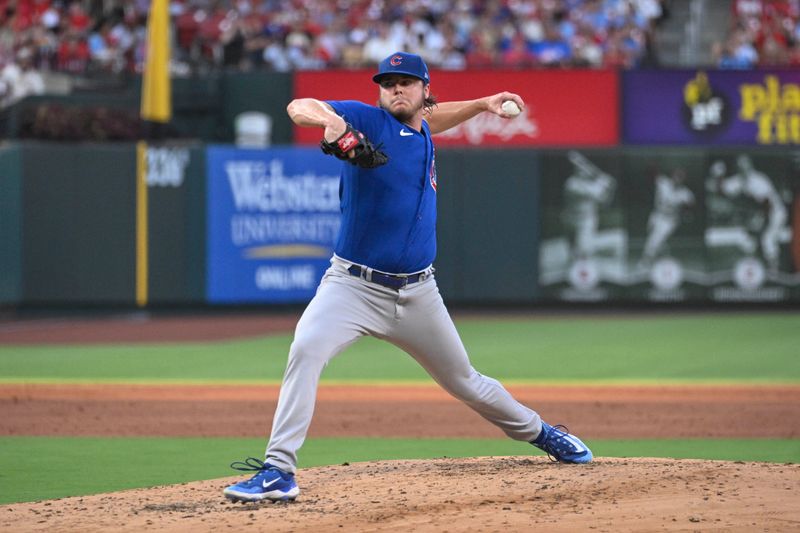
[402, 96]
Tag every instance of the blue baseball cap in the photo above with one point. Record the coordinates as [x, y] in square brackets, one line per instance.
[403, 63]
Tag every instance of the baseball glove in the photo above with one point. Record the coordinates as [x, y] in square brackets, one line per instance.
[365, 154]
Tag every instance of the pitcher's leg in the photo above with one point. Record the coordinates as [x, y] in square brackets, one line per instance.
[427, 332]
[336, 317]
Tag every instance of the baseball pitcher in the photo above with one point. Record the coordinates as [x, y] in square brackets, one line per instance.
[381, 281]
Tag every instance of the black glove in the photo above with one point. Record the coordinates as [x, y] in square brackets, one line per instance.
[365, 154]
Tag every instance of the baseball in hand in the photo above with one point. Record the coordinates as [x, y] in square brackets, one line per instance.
[511, 108]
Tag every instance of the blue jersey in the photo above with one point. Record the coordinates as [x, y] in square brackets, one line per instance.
[389, 212]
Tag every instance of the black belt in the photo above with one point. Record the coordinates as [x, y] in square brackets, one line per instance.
[393, 281]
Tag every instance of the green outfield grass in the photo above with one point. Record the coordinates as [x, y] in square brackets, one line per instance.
[35, 468]
[747, 347]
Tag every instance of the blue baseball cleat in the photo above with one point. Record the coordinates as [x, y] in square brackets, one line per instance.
[560, 446]
[269, 483]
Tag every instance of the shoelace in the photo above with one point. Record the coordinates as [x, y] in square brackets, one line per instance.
[251, 464]
[555, 432]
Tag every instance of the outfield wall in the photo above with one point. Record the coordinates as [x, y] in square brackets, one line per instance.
[228, 226]
[611, 186]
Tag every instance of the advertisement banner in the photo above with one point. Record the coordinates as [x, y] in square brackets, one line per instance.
[273, 216]
[578, 108]
[670, 225]
[756, 107]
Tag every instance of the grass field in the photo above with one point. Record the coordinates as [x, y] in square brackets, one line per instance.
[712, 348]
[742, 348]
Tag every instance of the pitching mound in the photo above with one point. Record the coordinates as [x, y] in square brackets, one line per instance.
[477, 494]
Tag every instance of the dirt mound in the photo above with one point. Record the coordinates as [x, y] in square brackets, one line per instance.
[477, 494]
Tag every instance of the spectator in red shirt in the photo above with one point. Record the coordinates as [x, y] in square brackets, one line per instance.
[482, 52]
[187, 26]
[73, 54]
[517, 54]
[616, 55]
[77, 19]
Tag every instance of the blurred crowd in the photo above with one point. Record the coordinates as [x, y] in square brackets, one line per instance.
[764, 33]
[99, 36]
[451, 34]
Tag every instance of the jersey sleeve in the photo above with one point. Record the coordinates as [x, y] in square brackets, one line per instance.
[365, 118]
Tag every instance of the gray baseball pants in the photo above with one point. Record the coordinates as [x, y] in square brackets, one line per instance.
[415, 319]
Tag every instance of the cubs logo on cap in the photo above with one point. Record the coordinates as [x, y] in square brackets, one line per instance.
[403, 63]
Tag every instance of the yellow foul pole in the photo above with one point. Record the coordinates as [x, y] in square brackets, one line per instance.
[156, 88]
[156, 106]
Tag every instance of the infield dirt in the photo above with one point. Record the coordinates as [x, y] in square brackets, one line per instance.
[478, 494]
